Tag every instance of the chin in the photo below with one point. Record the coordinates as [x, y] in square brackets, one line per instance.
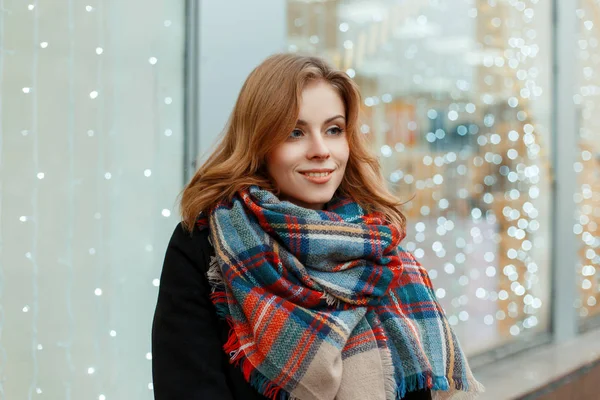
[314, 200]
[317, 200]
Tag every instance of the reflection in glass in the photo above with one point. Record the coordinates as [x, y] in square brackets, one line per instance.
[456, 105]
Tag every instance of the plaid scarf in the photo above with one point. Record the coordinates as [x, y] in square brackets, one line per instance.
[326, 305]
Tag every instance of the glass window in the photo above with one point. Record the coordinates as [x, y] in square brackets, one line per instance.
[456, 104]
[587, 166]
[91, 140]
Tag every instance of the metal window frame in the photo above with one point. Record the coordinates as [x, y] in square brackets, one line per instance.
[564, 325]
[191, 86]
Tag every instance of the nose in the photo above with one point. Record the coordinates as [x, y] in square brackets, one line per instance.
[318, 148]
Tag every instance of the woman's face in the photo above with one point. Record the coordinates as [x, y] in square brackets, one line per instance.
[309, 166]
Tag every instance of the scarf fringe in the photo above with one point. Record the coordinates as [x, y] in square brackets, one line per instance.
[214, 274]
[413, 383]
[267, 388]
[331, 300]
[441, 387]
[387, 364]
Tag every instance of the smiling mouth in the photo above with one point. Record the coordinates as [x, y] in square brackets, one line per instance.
[317, 174]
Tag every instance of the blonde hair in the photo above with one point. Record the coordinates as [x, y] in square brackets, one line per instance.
[263, 117]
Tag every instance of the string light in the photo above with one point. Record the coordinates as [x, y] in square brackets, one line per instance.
[81, 172]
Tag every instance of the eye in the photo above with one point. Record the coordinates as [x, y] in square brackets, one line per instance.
[296, 133]
[335, 131]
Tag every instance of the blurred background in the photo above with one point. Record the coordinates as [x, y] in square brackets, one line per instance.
[483, 112]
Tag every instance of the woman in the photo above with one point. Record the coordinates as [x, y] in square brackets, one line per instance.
[285, 278]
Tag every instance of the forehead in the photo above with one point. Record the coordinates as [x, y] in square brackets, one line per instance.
[320, 101]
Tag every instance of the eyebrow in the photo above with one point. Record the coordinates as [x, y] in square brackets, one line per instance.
[328, 120]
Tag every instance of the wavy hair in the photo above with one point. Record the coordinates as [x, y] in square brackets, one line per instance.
[265, 113]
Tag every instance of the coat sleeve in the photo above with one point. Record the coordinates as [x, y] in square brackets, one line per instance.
[187, 358]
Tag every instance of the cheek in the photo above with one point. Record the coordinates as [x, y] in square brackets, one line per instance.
[343, 152]
[278, 163]
[284, 156]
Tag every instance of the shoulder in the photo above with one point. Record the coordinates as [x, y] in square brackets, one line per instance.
[193, 247]
[183, 237]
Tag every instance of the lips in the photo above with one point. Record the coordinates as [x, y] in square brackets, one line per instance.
[319, 176]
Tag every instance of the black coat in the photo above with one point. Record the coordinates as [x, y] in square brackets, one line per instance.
[188, 361]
